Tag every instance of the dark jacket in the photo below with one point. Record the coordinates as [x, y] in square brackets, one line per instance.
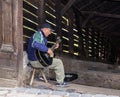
[37, 41]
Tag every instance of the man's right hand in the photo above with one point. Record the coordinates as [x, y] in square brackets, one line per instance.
[50, 52]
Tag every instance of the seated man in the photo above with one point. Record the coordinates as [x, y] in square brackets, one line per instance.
[39, 41]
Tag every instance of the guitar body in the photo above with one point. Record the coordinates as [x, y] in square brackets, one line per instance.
[44, 58]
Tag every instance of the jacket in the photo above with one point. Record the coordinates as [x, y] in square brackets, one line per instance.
[37, 41]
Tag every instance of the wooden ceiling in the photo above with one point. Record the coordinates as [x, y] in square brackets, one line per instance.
[104, 15]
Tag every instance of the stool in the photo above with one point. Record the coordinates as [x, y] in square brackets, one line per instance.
[33, 74]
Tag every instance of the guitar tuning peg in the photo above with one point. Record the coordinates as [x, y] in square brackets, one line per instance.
[58, 37]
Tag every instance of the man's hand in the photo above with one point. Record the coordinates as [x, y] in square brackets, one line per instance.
[56, 46]
[50, 52]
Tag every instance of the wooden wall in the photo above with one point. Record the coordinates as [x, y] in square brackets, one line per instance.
[19, 19]
[11, 45]
[79, 41]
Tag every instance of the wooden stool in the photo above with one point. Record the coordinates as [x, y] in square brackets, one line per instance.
[33, 74]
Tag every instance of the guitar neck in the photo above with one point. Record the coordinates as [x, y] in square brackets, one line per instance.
[53, 47]
[58, 41]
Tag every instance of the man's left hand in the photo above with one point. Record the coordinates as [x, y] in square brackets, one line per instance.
[57, 46]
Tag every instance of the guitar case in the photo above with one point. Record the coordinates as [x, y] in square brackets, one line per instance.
[68, 77]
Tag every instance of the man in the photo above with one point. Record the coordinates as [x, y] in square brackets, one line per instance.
[39, 41]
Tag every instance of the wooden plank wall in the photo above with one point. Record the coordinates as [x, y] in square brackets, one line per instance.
[30, 20]
[19, 19]
[82, 42]
[11, 45]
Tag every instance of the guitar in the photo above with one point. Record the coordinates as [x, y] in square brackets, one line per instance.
[44, 58]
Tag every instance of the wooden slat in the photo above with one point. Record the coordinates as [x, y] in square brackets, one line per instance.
[29, 16]
[30, 8]
[28, 32]
[31, 25]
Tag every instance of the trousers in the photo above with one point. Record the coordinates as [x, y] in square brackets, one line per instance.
[57, 66]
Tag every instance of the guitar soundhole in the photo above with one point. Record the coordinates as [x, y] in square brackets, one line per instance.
[44, 58]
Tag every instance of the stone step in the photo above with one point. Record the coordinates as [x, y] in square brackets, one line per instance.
[33, 92]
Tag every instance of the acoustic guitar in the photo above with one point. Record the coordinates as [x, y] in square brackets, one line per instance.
[44, 58]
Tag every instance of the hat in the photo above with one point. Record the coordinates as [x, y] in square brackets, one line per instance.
[46, 25]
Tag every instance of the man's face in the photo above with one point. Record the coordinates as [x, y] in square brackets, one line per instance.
[47, 31]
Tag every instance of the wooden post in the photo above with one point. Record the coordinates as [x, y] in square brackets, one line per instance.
[70, 33]
[0, 22]
[18, 4]
[11, 42]
[41, 11]
[58, 17]
[58, 27]
[79, 21]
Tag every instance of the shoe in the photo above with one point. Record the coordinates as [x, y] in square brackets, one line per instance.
[61, 84]
[41, 78]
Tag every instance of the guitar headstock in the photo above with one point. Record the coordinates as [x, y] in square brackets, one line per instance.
[58, 40]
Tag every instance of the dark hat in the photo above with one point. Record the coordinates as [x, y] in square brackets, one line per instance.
[46, 25]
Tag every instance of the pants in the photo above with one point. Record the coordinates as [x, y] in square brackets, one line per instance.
[57, 66]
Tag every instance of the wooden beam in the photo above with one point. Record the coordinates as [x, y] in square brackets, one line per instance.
[92, 22]
[103, 24]
[67, 6]
[91, 15]
[98, 20]
[110, 25]
[41, 14]
[110, 33]
[78, 22]
[87, 19]
[101, 14]
[96, 7]
[115, 0]
[58, 17]
[70, 35]
[90, 2]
